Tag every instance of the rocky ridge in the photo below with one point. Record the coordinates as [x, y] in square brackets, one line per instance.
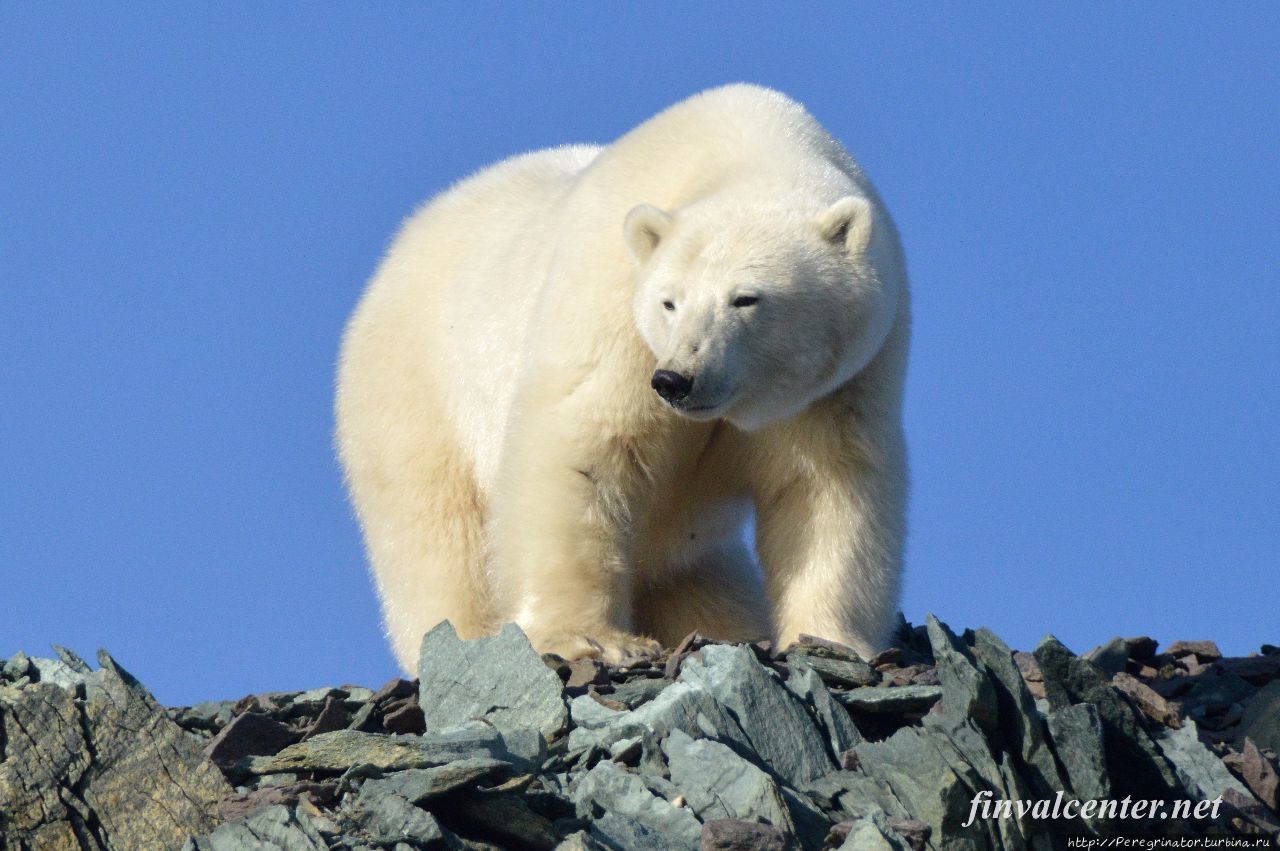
[711, 746]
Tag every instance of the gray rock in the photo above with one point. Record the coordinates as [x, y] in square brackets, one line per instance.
[1077, 737]
[681, 706]
[16, 667]
[57, 672]
[275, 828]
[897, 700]
[1110, 657]
[776, 724]
[626, 814]
[638, 691]
[343, 749]
[833, 718]
[391, 819]
[72, 659]
[865, 835]
[966, 691]
[1137, 767]
[1261, 720]
[506, 682]
[913, 774]
[421, 784]
[1016, 710]
[719, 784]
[1203, 774]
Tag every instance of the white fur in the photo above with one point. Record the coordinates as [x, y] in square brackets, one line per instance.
[504, 450]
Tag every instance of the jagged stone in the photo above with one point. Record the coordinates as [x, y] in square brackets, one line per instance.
[742, 835]
[833, 718]
[777, 726]
[1016, 710]
[1137, 767]
[274, 828]
[1077, 737]
[897, 700]
[909, 776]
[148, 784]
[109, 771]
[626, 814]
[1257, 772]
[506, 682]
[1110, 657]
[44, 751]
[967, 692]
[719, 784]
[340, 750]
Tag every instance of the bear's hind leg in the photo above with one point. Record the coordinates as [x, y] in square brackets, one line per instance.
[423, 520]
[721, 596]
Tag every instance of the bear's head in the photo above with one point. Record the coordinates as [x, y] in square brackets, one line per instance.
[753, 314]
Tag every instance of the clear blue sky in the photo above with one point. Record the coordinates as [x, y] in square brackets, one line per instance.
[191, 198]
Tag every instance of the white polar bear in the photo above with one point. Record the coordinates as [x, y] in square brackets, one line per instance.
[506, 451]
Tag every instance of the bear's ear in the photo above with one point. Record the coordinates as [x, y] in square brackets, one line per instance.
[847, 222]
[644, 227]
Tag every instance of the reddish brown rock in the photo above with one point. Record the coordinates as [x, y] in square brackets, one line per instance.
[1257, 772]
[1258, 670]
[1205, 651]
[738, 835]
[406, 717]
[1145, 698]
[249, 734]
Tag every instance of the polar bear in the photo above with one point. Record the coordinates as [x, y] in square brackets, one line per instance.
[580, 376]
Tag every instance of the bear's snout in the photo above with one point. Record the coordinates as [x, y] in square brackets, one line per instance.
[671, 386]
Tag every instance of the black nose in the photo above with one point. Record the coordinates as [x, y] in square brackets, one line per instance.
[671, 386]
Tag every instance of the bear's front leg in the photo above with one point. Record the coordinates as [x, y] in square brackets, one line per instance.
[559, 523]
[829, 536]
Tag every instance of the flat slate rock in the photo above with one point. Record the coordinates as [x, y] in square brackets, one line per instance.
[506, 682]
[343, 749]
[893, 700]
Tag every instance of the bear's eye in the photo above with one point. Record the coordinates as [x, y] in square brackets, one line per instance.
[745, 300]
[669, 305]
